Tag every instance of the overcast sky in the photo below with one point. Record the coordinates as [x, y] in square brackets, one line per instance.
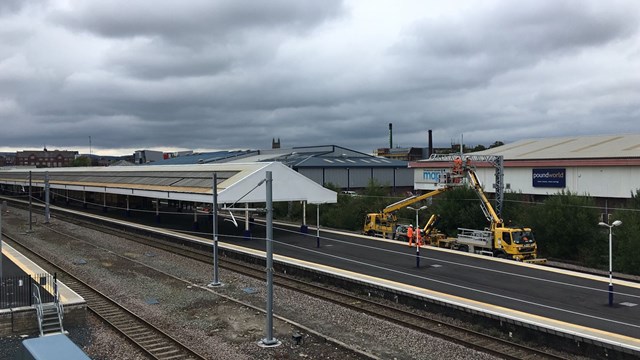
[209, 74]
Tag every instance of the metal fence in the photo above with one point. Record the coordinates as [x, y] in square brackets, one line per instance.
[16, 291]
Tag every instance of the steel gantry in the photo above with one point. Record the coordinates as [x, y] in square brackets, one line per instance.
[497, 161]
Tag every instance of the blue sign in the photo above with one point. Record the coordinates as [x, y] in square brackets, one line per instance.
[549, 178]
[432, 176]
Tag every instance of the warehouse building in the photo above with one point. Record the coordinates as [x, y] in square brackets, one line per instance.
[345, 168]
[602, 166]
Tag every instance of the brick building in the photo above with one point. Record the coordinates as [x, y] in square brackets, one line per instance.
[7, 159]
[45, 158]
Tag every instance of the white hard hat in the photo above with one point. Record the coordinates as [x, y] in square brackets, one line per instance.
[410, 225]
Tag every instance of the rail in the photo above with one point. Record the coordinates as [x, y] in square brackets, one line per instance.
[500, 347]
[38, 305]
[117, 316]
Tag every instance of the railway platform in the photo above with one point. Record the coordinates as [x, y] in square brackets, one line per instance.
[22, 318]
[544, 299]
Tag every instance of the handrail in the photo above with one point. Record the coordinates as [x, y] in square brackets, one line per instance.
[38, 305]
[58, 303]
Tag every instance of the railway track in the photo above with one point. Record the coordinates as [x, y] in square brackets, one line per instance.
[150, 339]
[472, 339]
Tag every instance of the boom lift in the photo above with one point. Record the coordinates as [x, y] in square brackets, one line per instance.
[517, 243]
[384, 223]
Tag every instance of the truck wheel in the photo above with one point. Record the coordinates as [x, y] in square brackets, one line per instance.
[371, 233]
[501, 255]
[464, 248]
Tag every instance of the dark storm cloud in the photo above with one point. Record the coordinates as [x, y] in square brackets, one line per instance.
[470, 49]
[8, 7]
[202, 19]
[235, 74]
[204, 38]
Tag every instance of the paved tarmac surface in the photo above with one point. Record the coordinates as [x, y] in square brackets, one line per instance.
[536, 291]
[552, 295]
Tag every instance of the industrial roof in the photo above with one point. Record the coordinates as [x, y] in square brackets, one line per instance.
[296, 157]
[570, 147]
[236, 182]
[202, 158]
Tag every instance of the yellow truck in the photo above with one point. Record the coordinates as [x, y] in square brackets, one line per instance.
[517, 243]
[384, 223]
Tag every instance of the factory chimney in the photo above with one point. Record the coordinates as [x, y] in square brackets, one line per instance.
[430, 144]
[390, 136]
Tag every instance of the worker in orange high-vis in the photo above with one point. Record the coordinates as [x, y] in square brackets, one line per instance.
[410, 234]
[418, 237]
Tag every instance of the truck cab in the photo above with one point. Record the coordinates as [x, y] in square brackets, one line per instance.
[379, 225]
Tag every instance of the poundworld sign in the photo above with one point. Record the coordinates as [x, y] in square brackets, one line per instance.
[549, 178]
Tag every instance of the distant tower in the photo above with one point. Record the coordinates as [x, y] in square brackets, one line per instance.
[275, 144]
[390, 136]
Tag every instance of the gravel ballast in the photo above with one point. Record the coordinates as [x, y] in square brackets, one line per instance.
[220, 323]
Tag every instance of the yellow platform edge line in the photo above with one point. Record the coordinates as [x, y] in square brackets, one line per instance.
[536, 320]
[572, 329]
[15, 256]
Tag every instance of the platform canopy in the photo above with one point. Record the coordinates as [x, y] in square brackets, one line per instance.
[236, 182]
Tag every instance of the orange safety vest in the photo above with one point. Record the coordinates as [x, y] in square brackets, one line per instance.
[410, 233]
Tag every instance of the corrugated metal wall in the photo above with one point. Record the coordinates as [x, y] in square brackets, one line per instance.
[605, 182]
[359, 177]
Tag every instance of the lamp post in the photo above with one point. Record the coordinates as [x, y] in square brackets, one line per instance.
[615, 223]
[416, 210]
[417, 231]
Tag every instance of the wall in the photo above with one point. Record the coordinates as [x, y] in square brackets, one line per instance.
[606, 182]
[359, 177]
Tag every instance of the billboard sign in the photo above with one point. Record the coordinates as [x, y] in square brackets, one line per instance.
[432, 175]
[549, 178]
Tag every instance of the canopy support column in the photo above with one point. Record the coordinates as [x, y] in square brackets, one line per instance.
[247, 223]
[304, 228]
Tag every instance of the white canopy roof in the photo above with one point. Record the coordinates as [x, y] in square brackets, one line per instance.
[236, 182]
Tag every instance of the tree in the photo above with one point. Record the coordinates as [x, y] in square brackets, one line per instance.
[565, 227]
[478, 148]
[625, 237]
[81, 161]
[459, 208]
[496, 144]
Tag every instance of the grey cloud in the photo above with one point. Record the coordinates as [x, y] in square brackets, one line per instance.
[197, 19]
[201, 39]
[485, 42]
[8, 7]
[229, 75]
[157, 59]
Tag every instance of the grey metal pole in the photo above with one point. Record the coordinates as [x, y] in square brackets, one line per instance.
[1, 256]
[269, 340]
[214, 213]
[30, 229]
[610, 268]
[246, 217]
[318, 226]
[47, 212]
[304, 212]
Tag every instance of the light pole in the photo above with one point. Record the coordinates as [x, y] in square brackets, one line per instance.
[416, 210]
[417, 232]
[615, 223]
